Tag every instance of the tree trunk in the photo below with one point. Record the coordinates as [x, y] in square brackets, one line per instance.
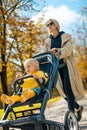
[4, 62]
[4, 80]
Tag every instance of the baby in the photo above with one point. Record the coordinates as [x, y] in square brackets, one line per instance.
[30, 86]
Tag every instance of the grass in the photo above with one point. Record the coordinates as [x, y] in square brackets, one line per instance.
[50, 101]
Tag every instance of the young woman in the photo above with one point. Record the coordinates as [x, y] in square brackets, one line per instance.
[69, 81]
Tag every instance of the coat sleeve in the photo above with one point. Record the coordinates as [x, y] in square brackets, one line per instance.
[67, 45]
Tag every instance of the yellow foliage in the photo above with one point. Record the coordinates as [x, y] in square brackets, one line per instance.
[82, 62]
[1, 40]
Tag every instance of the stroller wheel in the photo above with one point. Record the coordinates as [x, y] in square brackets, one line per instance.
[70, 121]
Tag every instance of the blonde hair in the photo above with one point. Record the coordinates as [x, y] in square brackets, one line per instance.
[32, 61]
[56, 23]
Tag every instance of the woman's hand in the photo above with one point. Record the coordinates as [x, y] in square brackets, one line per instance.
[54, 51]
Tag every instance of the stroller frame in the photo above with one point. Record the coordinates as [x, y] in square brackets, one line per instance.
[37, 121]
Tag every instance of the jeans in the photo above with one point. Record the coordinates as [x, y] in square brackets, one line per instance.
[72, 104]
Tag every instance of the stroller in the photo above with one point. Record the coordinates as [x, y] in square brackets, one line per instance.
[35, 118]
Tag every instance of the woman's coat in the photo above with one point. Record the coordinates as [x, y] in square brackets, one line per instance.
[74, 75]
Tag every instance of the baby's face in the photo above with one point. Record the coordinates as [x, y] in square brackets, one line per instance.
[30, 68]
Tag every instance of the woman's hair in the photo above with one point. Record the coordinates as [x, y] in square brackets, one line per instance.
[32, 61]
[55, 22]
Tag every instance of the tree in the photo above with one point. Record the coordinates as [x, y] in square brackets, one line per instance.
[13, 35]
[81, 48]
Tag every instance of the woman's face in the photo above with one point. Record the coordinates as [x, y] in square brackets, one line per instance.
[51, 26]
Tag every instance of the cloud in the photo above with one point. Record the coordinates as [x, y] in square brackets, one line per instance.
[63, 14]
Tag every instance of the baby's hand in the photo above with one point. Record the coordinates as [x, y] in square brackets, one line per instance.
[37, 77]
[18, 75]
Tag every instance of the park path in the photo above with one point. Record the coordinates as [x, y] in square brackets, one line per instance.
[56, 112]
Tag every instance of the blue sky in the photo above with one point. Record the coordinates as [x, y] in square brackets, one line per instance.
[73, 4]
[67, 12]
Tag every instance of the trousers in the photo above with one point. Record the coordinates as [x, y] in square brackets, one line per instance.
[64, 74]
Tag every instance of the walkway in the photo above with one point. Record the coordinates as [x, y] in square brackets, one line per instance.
[57, 110]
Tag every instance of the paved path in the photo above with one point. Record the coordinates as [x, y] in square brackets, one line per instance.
[56, 111]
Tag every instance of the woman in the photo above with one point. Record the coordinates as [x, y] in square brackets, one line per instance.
[69, 82]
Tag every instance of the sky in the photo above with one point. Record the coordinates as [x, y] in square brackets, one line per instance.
[67, 12]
